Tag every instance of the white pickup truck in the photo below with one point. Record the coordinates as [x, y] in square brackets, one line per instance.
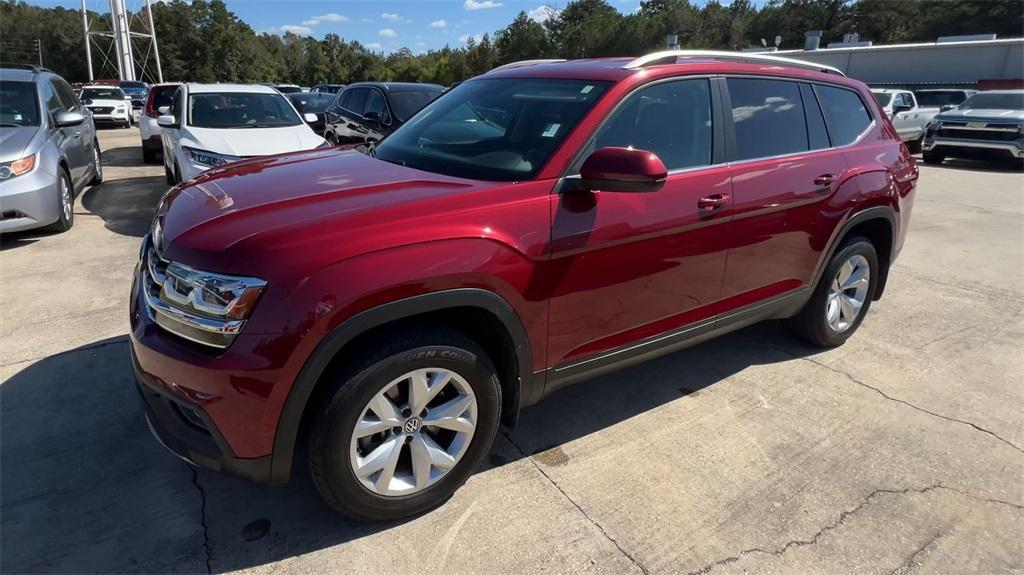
[909, 119]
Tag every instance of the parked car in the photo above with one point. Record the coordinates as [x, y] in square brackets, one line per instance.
[368, 111]
[328, 88]
[158, 96]
[382, 312]
[209, 125]
[988, 125]
[942, 98]
[909, 119]
[48, 150]
[286, 88]
[315, 103]
[108, 105]
[136, 91]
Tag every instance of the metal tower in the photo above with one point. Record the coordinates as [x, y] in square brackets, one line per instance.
[124, 27]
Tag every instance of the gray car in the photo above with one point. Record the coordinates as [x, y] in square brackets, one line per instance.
[48, 150]
[986, 125]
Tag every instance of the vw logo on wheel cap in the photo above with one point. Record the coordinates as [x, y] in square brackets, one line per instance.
[413, 425]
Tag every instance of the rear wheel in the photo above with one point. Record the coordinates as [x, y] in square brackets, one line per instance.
[97, 165]
[149, 156]
[65, 203]
[404, 429]
[168, 175]
[915, 145]
[842, 296]
[932, 157]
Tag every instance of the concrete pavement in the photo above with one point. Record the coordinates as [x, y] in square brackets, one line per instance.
[900, 452]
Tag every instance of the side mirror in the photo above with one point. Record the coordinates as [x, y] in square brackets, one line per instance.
[164, 110]
[623, 170]
[947, 107]
[167, 121]
[310, 118]
[373, 117]
[901, 108]
[68, 119]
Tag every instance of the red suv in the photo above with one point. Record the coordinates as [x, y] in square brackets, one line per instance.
[382, 310]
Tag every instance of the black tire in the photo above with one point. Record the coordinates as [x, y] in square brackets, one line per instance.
[334, 422]
[331, 138]
[149, 156]
[97, 177]
[64, 223]
[933, 157]
[177, 173]
[915, 145]
[811, 323]
[168, 176]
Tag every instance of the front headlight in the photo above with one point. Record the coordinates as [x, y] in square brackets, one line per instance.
[206, 158]
[17, 167]
[209, 294]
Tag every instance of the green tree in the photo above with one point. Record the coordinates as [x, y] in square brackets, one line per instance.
[523, 39]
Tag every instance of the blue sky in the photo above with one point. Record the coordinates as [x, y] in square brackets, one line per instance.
[384, 25]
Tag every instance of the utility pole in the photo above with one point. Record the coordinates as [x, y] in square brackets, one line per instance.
[39, 50]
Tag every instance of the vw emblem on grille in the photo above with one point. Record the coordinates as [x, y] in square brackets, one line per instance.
[412, 426]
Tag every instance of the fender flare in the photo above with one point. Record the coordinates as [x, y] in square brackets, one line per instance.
[886, 213]
[288, 424]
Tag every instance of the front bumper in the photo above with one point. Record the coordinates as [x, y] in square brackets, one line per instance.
[957, 146]
[114, 118]
[29, 201]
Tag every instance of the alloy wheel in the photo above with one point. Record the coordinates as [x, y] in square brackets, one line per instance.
[97, 164]
[848, 293]
[65, 198]
[413, 432]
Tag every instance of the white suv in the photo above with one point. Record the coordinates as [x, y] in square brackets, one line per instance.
[208, 125]
[108, 104]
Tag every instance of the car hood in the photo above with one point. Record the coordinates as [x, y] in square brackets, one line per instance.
[980, 114]
[249, 213]
[14, 141]
[247, 142]
[104, 103]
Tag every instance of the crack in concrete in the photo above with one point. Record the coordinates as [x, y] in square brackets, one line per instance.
[891, 398]
[912, 562]
[636, 562]
[841, 519]
[202, 519]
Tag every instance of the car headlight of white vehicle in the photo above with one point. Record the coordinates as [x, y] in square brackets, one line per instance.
[207, 158]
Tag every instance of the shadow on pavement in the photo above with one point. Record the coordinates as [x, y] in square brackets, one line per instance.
[86, 488]
[127, 205]
[124, 157]
[1007, 166]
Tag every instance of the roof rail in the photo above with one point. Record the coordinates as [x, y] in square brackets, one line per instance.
[32, 67]
[671, 56]
[525, 63]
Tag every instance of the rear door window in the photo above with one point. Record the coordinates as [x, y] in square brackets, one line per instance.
[845, 113]
[768, 117]
[671, 119]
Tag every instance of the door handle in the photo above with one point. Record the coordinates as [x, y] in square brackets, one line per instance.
[709, 205]
[77, 134]
[824, 181]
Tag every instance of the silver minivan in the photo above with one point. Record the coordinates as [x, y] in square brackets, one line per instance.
[48, 150]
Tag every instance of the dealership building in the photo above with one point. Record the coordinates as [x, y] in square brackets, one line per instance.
[984, 64]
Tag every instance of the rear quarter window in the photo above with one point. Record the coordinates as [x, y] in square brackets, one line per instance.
[845, 113]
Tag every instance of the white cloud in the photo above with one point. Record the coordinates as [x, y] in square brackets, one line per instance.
[466, 37]
[310, 22]
[420, 44]
[374, 46]
[542, 14]
[438, 24]
[390, 16]
[388, 33]
[332, 17]
[297, 30]
[474, 5]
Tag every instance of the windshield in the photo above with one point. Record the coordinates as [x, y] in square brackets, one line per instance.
[1003, 101]
[240, 110]
[883, 99]
[288, 89]
[102, 94]
[311, 102]
[496, 129]
[133, 87]
[18, 104]
[407, 103]
[939, 98]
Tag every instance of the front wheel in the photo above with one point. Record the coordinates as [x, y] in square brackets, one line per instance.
[842, 296]
[405, 428]
[65, 203]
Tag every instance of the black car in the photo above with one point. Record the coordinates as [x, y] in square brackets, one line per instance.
[313, 103]
[369, 111]
[328, 88]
